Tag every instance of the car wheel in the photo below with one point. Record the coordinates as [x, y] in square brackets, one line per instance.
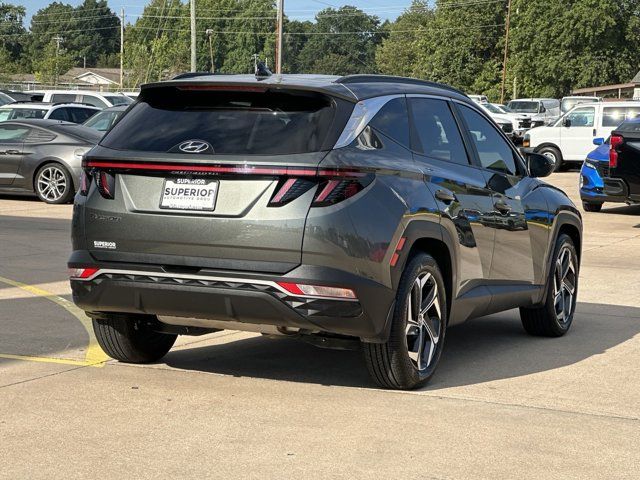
[131, 338]
[554, 155]
[554, 317]
[591, 207]
[411, 354]
[53, 184]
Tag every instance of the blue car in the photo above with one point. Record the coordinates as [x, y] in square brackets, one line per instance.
[591, 176]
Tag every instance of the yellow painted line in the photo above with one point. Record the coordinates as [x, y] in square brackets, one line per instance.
[94, 356]
[61, 361]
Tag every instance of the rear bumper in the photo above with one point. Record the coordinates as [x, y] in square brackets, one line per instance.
[238, 297]
[616, 189]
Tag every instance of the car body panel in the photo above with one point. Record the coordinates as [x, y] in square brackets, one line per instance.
[592, 175]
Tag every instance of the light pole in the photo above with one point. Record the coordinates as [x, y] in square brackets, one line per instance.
[279, 39]
[209, 32]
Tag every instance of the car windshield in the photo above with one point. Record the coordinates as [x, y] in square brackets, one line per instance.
[229, 122]
[523, 106]
[102, 121]
[568, 103]
[491, 108]
[21, 113]
[118, 99]
[503, 108]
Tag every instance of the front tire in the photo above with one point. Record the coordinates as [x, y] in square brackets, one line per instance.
[554, 317]
[411, 355]
[591, 207]
[53, 184]
[553, 154]
[131, 338]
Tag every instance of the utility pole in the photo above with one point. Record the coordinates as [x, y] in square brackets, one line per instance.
[58, 39]
[255, 62]
[121, 48]
[506, 52]
[209, 33]
[193, 34]
[279, 36]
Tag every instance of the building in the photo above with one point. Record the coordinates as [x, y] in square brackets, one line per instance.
[617, 91]
[100, 79]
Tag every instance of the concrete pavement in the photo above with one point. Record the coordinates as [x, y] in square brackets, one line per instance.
[230, 405]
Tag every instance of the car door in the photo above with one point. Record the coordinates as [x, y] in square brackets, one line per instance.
[59, 113]
[514, 201]
[11, 151]
[577, 132]
[460, 188]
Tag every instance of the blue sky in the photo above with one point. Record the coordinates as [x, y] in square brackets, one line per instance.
[298, 9]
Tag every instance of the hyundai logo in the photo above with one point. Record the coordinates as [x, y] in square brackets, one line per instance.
[195, 146]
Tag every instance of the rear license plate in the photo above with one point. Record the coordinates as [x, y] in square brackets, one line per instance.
[189, 194]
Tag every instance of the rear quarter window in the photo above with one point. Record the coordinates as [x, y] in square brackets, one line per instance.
[231, 122]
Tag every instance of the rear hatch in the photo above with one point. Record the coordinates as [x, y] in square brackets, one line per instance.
[210, 176]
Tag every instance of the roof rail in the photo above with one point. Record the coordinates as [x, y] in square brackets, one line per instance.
[180, 76]
[394, 79]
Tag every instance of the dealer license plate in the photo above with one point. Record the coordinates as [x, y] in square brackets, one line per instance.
[189, 194]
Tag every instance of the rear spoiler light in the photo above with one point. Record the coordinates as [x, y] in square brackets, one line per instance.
[334, 184]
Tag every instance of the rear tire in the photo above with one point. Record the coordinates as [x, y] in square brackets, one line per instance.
[591, 207]
[554, 155]
[131, 338]
[411, 355]
[554, 317]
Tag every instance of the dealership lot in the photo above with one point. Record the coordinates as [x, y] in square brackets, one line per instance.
[502, 404]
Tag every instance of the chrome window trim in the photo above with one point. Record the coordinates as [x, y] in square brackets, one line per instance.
[363, 113]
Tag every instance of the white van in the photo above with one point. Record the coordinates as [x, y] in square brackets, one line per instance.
[570, 138]
[97, 99]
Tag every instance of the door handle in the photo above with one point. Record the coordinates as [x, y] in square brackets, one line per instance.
[445, 197]
[12, 152]
[502, 207]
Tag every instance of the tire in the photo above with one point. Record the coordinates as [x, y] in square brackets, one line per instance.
[545, 320]
[397, 363]
[131, 338]
[554, 154]
[591, 207]
[53, 184]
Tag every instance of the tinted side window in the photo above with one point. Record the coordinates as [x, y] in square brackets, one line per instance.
[59, 114]
[95, 101]
[63, 97]
[13, 133]
[493, 150]
[80, 115]
[393, 121]
[614, 116]
[437, 132]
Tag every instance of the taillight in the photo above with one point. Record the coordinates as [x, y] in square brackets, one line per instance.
[339, 185]
[106, 183]
[289, 189]
[615, 141]
[83, 273]
[300, 289]
[85, 183]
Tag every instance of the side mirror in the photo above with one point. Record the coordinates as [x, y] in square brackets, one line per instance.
[539, 165]
[598, 141]
[566, 122]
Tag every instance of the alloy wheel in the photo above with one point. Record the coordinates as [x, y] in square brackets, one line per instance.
[564, 285]
[424, 321]
[51, 183]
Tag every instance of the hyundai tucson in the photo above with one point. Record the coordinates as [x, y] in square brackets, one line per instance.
[368, 210]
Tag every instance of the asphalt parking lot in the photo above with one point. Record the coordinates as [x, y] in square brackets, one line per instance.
[229, 405]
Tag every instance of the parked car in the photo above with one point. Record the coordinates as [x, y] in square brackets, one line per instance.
[97, 99]
[43, 157]
[68, 112]
[507, 123]
[534, 112]
[592, 176]
[10, 96]
[102, 121]
[622, 183]
[567, 103]
[336, 210]
[570, 138]
[479, 98]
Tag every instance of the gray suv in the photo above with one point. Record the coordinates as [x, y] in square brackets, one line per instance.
[362, 211]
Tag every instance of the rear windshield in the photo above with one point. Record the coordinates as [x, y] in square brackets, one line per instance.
[118, 99]
[524, 107]
[568, 103]
[21, 113]
[230, 122]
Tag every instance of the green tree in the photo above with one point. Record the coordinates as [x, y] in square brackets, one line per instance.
[398, 53]
[343, 41]
[52, 63]
[12, 36]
